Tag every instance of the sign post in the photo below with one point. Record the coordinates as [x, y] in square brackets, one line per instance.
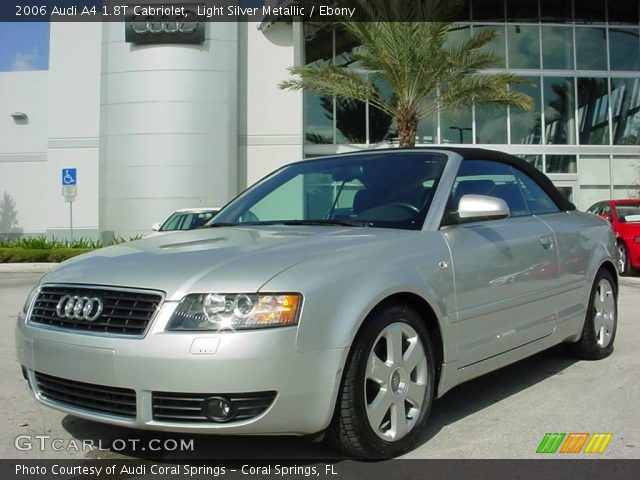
[69, 191]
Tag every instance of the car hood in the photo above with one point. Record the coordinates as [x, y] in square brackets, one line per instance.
[224, 259]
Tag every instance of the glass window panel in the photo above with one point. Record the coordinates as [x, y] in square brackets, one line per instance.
[427, 130]
[455, 126]
[593, 111]
[623, 11]
[524, 46]
[457, 35]
[624, 48]
[488, 10]
[464, 13]
[589, 11]
[625, 108]
[526, 127]
[534, 160]
[559, 124]
[557, 47]
[522, 11]
[591, 48]
[497, 45]
[380, 123]
[491, 125]
[561, 164]
[318, 122]
[556, 11]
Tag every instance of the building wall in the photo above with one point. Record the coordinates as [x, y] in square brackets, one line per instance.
[168, 127]
[270, 119]
[73, 110]
[23, 151]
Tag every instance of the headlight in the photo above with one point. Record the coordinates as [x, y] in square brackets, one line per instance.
[217, 311]
[27, 302]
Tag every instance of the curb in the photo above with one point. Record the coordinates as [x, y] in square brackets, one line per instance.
[26, 267]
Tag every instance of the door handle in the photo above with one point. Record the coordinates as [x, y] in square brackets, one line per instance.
[546, 242]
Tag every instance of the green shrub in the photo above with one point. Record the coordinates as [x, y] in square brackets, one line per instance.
[28, 255]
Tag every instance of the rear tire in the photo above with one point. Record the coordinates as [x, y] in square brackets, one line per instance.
[601, 321]
[388, 386]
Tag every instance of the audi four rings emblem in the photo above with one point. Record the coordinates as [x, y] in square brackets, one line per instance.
[79, 308]
[172, 25]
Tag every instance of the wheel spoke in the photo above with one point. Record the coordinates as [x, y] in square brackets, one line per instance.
[415, 394]
[394, 344]
[414, 355]
[377, 370]
[398, 420]
[377, 409]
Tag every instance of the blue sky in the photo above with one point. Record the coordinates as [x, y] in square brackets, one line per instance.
[24, 46]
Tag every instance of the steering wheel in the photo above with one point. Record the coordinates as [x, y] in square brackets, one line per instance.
[405, 205]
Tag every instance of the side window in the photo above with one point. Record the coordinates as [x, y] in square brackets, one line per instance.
[605, 210]
[537, 199]
[481, 177]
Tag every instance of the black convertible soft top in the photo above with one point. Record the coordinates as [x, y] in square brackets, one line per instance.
[516, 162]
[470, 153]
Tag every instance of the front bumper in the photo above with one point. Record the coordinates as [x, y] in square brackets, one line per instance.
[305, 383]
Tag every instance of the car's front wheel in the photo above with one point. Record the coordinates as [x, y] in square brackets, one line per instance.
[388, 386]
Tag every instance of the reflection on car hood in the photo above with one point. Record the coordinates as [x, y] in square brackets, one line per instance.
[226, 259]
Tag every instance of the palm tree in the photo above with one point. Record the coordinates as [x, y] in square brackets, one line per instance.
[425, 74]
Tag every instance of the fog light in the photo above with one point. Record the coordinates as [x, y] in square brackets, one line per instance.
[218, 409]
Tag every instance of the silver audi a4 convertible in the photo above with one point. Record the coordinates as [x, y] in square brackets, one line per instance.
[338, 295]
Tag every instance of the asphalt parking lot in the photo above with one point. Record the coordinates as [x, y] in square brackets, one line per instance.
[502, 415]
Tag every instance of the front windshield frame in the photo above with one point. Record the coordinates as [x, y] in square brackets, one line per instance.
[429, 164]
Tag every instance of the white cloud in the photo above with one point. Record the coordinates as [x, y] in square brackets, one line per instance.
[25, 61]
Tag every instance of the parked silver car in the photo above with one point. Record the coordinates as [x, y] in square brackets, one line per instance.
[340, 294]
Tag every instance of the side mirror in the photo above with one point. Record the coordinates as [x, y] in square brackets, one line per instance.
[606, 216]
[156, 226]
[481, 207]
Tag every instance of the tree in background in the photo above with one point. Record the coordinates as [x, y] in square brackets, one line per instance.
[412, 57]
[9, 217]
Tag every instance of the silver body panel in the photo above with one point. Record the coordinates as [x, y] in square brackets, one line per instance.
[500, 291]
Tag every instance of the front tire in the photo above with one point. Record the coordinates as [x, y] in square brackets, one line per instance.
[388, 386]
[601, 321]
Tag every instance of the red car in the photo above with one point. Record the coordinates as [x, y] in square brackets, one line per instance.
[624, 216]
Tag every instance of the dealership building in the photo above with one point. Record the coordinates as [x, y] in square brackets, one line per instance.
[145, 127]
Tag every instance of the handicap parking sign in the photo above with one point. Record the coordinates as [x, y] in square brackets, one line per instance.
[69, 176]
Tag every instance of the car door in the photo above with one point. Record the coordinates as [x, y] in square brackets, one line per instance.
[504, 270]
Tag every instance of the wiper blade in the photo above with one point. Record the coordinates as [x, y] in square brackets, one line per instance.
[340, 223]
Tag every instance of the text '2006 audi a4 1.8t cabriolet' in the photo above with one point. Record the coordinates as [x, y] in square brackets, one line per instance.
[338, 295]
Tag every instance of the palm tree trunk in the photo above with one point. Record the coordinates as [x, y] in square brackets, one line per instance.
[407, 127]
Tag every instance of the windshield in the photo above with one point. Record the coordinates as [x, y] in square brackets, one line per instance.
[387, 191]
[186, 220]
[629, 212]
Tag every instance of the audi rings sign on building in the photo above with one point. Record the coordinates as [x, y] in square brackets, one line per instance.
[179, 27]
[79, 308]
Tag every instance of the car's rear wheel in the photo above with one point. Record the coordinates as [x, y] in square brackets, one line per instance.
[388, 386]
[599, 331]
